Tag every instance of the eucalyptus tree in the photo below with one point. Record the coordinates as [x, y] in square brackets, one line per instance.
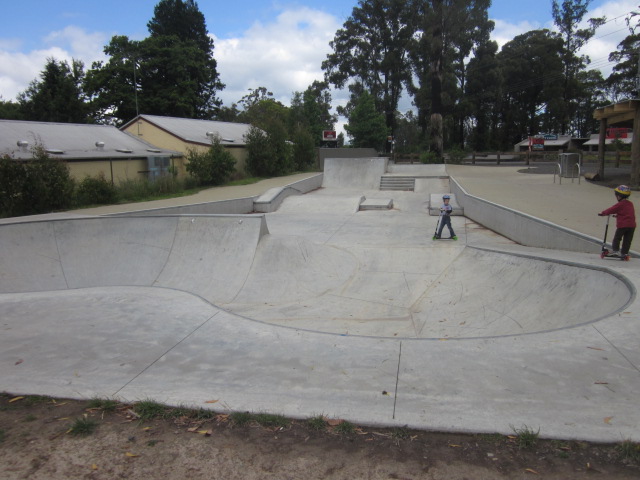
[532, 76]
[447, 32]
[311, 110]
[567, 18]
[623, 81]
[370, 53]
[484, 92]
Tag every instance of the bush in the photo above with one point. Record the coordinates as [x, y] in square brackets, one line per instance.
[268, 152]
[95, 191]
[213, 167]
[40, 185]
[456, 155]
[430, 157]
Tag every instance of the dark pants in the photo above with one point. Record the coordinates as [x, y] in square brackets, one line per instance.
[626, 235]
[445, 220]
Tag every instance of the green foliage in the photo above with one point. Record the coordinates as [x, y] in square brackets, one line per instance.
[95, 191]
[268, 152]
[629, 450]
[317, 423]
[172, 72]
[456, 155]
[149, 409]
[304, 150]
[271, 420]
[58, 96]
[345, 428]
[430, 157]
[241, 418]
[526, 437]
[40, 185]
[104, 404]
[213, 167]
[83, 426]
[367, 127]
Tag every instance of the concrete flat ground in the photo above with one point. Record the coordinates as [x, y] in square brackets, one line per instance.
[320, 308]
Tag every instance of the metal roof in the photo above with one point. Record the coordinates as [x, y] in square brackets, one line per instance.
[71, 141]
[594, 140]
[195, 130]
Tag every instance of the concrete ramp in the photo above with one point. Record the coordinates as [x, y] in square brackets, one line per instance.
[206, 255]
[354, 172]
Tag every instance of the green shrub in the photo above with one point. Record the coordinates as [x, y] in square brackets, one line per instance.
[456, 155]
[430, 157]
[95, 191]
[40, 185]
[213, 167]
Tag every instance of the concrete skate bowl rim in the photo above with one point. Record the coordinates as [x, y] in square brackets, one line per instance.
[539, 258]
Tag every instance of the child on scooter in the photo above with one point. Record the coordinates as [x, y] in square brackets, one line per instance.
[625, 221]
[445, 218]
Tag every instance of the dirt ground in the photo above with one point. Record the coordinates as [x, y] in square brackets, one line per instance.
[42, 438]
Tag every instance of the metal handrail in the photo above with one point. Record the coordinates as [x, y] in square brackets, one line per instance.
[559, 172]
[579, 173]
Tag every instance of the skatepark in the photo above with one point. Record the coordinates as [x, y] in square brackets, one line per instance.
[329, 296]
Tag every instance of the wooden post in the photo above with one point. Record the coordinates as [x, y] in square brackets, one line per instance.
[601, 145]
[498, 158]
[635, 148]
[617, 158]
[473, 158]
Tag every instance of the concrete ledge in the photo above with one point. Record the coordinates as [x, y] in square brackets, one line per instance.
[376, 204]
[522, 228]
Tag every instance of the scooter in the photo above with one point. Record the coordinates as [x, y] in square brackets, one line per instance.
[605, 251]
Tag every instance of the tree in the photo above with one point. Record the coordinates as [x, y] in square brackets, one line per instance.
[213, 167]
[172, 72]
[623, 81]
[484, 87]
[57, 96]
[9, 110]
[371, 50]
[532, 74]
[566, 18]
[447, 32]
[268, 152]
[367, 127]
[311, 110]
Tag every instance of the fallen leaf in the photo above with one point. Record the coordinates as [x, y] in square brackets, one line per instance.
[146, 428]
[15, 399]
[596, 348]
[94, 467]
[531, 470]
[206, 433]
[60, 404]
[601, 383]
[607, 420]
[129, 454]
[333, 422]
[19, 362]
[453, 445]
[211, 401]
[192, 429]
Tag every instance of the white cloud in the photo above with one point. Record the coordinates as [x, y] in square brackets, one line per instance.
[18, 69]
[283, 56]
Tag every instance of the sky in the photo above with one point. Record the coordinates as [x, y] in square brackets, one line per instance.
[277, 44]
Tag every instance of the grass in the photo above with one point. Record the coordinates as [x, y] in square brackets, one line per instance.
[271, 420]
[345, 428]
[149, 409]
[629, 450]
[317, 423]
[104, 404]
[2, 435]
[241, 418]
[525, 436]
[83, 426]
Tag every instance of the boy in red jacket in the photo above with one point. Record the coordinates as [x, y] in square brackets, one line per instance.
[625, 220]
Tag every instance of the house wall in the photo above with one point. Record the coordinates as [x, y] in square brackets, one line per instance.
[116, 170]
[163, 139]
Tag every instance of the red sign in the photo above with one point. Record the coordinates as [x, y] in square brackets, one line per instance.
[536, 143]
[617, 132]
[329, 136]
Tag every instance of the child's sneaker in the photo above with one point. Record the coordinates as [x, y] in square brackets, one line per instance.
[454, 237]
